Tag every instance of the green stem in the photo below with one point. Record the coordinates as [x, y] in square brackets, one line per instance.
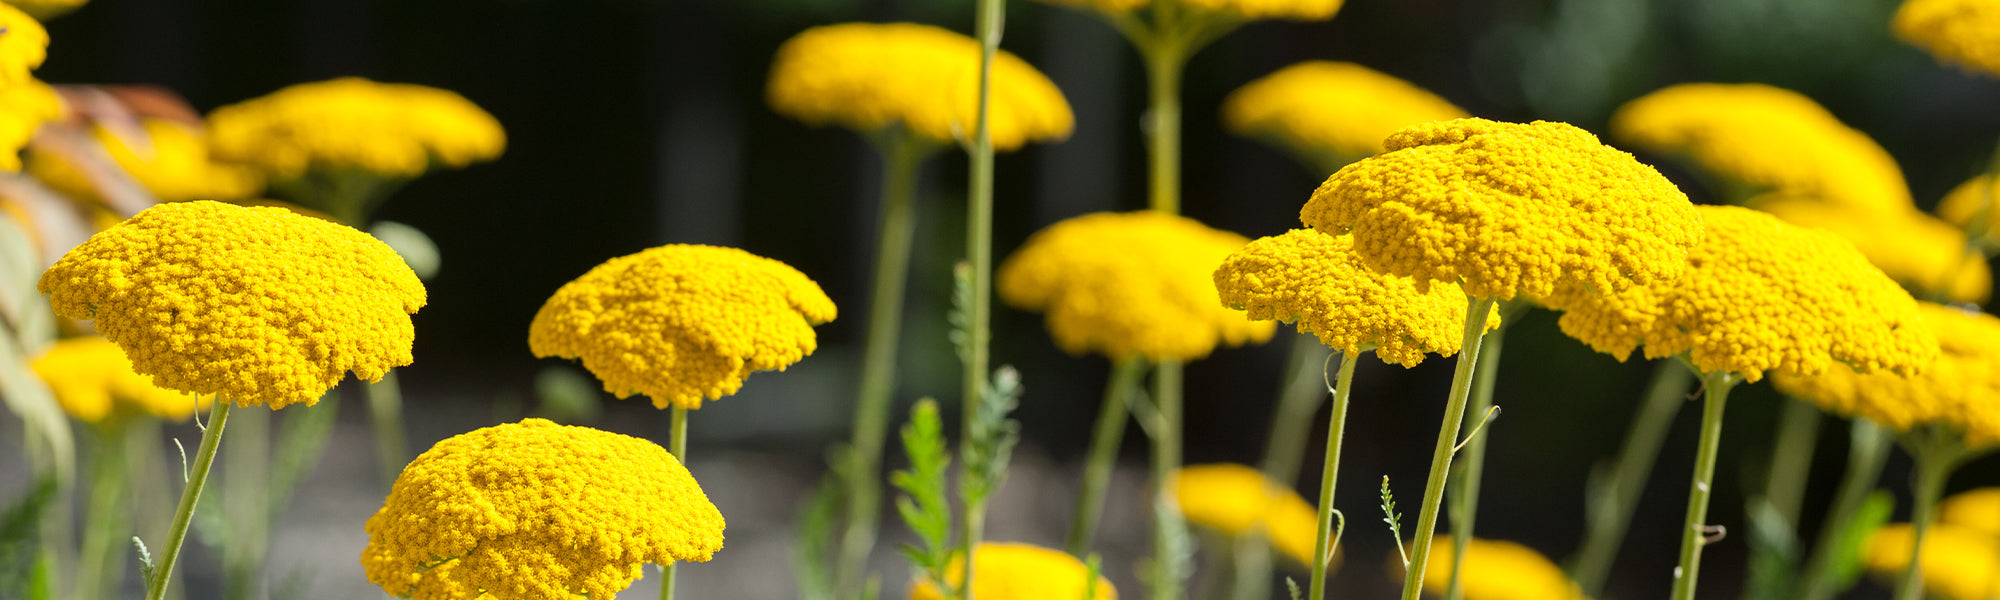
[100, 566]
[1103, 454]
[1297, 403]
[1791, 459]
[1611, 514]
[1867, 452]
[385, 413]
[1936, 456]
[1693, 534]
[1329, 475]
[1465, 497]
[246, 469]
[677, 445]
[150, 490]
[979, 250]
[1165, 58]
[204, 456]
[1168, 529]
[1476, 312]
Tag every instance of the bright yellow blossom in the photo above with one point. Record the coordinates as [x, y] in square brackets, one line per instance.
[1959, 563]
[1502, 570]
[536, 510]
[1331, 110]
[1763, 295]
[1961, 388]
[681, 322]
[260, 305]
[172, 162]
[24, 106]
[46, 9]
[93, 381]
[1295, 10]
[868, 76]
[1540, 210]
[1018, 572]
[1314, 279]
[1129, 284]
[1964, 203]
[1909, 246]
[388, 129]
[1769, 138]
[1976, 510]
[1966, 32]
[1235, 499]
[23, 45]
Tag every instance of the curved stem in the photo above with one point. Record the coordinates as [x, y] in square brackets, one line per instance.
[1476, 312]
[1611, 514]
[148, 481]
[1297, 403]
[385, 413]
[184, 514]
[1935, 462]
[979, 250]
[1867, 452]
[1165, 57]
[1693, 527]
[100, 566]
[1103, 454]
[1329, 475]
[676, 445]
[1465, 497]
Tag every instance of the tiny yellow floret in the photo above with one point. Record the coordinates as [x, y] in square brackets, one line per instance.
[1960, 389]
[1502, 570]
[24, 106]
[1331, 112]
[172, 162]
[387, 129]
[1964, 32]
[1977, 510]
[1003, 571]
[1916, 249]
[680, 323]
[1235, 500]
[260, 305]
[1971, 201]
[93, 381]
[23, 45]
[1293, 10]
[1959, 563]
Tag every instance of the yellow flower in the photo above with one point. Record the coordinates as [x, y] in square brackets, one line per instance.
[1018, 572]
[24, 106]
[1502, 570]
[536, 510]
[1959, 563]
[1540, 210]
[22, 47]
[868, 76]
[1763, 295]
[1235, 499]
[172, 162]
[679, 323]
[1125, 284]
[1295, 10]
[1966, 32]
[1331, 110]
[1964, 203]
[389, 129]
[1767, 137]
[1909, 246]
[46, 9]
[1960, 388]
[92, 380]
[1314, 279]
[258, 304]
[1976, 510]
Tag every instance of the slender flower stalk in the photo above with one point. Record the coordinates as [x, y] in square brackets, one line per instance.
[1465, 498]
[1611, 514]
[197, 476]
[1447, 442]
[1169, 527]
[1330, 469]
[100, 563]
[1298, 401]
[1937, 453]
[1868, 451]
[1104, 442]
[246, 497]
[1694, 533]
[1791, 459]
[979, 251]
[385, 414]
[1166, 57]
[677, 446]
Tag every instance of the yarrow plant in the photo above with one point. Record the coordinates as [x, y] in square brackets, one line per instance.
[1330, 113]
[1238, 501]
[1020, 572]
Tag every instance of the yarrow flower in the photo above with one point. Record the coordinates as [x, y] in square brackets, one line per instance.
[536, 510]
[260, 305]
[1540, 210]
[1502, 570]
[1959, 563]
[1961, 388]
[1965, 203]
[24, 106]
[1763, 295]
[46, 9]
[1331, 111]
[868, 76]
[172, 162]
[1977, 510]
[1129, 284]
[388, 129]
[1921, 252]
[1314, 279]
[1966, 32]
[1018, 572]
[1294, 10]
[94, 382]
[1236, 500]
[680, 323]
[22, 48]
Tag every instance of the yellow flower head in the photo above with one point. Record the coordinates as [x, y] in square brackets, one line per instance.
[1501, 570]
[1293, 10]
[1959, 563]
[93, 381]
[868, 76]
[172, 162]
[1129, 284]
[22, 47]
[1018, 572]
[1539, 210]
[1762, 295]
[24, 106]
[536, 510]
[1960, 388]
[1966, 32]
[1977, 510]
[46, 9]
[260, 305]
[1909, 246]
[1314, 279]
[680, 323]
[1766, 137]
[389, 129]
[1965, 203]
[1235, 499]
[1322, 109]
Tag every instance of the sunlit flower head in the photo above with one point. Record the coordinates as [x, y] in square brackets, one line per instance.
[172, 162]
[1331, 111]
[1501, 570]
[536, 510]
[869, 76]
[387, 129]
[260, 305]
[1129, 284]
[1966, 202]
[1314, 279]
[23, 46]
[1977, 510]
[1294, 10]
[1018, 572]
[681, 323]
[94, 382]
[1763, 295]
[1234, 500]
[24, 106]
[1961, 388]
[1540, 210]
[1921, 252]
[1962, 32]
[1959, 563]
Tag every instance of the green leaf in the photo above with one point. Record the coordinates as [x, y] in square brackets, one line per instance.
[1394, 520]
[1092, 567]
[992, 437]
[1873, 514]
[961, 310]
[1774, 554]
[923, 506]
[1294, 587]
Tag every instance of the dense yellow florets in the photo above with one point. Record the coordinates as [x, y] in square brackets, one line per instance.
[1235, 499]
[1763, 295]
[1965, 32]
[1314, 279]
[1018, 572]
[1331, 111]
[1921, 252]
[172, 162]
[1129, 284]
[1501, 570]
[1959, 563]
[1966, 202]
[536, 510]
[1977, 510]
[260, 305]
[23, 46]
[1769, 138]
[1295, 10]
[868, 76]
[1961, 388]
[1540, 210]
[24, 107]
[388, 129]
[679, 323]
[93, 381]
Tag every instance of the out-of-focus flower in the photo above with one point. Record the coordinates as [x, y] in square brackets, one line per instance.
[388, 129]
[680, 323]
[1294, 10]
[1235, 500]
[172, 162]
[260, 305]
[93, 382]
[1976, 510]
[46, 9]
[1921, 252]
[1959, 563]
[1965, 203]
[1502, 570]
[1966, 32]
[24, 106]
[1331, 111]
[1129, 284]
[536, 510]
[1961, 388]
[23, 45]
[1018, 572]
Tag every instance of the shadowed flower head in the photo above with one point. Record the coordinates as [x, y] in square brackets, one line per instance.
[1911, 247]
[1966, 202]
[680, 323]
[1505, 209]
[1959, 563]
[868, 76]
[536, 510]
[1331, 111]
[1763, 295]
[1018, 572]
[1293, 10]
[1314, 279]
[22, 48]
[1235, 499]
[93, 381]
[1963, 32]
[1961, 388]
[46, 9]
[1977, 510]
[1501, 570]
[24, 106]
[388, 129]
[1126, 284]
[172, 162]
[1769, 138]
[260, 305]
